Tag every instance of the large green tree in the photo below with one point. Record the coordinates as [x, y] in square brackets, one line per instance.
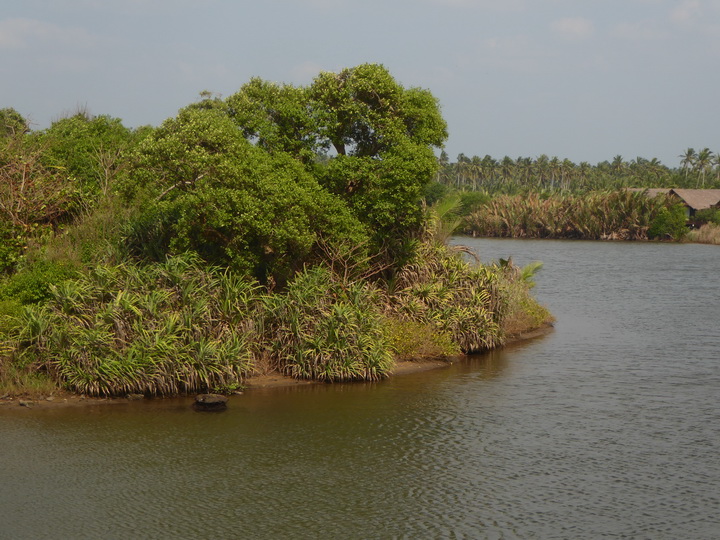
[201, 186]
[379, 137]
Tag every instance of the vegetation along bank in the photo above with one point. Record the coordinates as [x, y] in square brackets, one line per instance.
[280, 229]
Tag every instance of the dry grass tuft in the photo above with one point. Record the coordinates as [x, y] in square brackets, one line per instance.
[707, 234]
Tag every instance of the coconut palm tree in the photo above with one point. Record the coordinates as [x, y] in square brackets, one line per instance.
[618, 165]
[703, 163]
[687, 160]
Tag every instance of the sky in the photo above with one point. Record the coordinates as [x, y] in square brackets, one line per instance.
[584, 80]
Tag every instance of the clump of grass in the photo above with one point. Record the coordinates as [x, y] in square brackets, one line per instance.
[707, 234]
[412, 341]
[524, 313]
[325, 328]
[160, 329]
[438, 288]
[16, 381]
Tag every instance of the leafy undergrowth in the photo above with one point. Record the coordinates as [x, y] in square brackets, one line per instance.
[181, 326]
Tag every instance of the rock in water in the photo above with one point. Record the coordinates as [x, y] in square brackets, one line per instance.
[210, 402]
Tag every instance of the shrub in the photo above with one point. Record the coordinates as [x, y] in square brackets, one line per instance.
[325, 329]
[32, 285]
[201, 186]
[707, 234]
[413, 340]
[523, 312]
[669, 223]
[438, 288]
[160, 329]
[11, 248]
[709, 215]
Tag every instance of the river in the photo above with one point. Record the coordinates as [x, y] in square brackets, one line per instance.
[608, 427]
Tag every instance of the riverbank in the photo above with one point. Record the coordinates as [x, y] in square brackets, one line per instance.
[271, 379]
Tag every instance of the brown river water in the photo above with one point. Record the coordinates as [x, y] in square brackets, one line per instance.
[608, 427]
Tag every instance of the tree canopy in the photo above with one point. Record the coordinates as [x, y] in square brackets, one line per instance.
[258, 179]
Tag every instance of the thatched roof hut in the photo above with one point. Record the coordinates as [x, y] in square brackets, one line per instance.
[697, 199]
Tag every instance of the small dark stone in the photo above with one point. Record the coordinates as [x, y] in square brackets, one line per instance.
[24, 403]
[210, 402]
[135, 397]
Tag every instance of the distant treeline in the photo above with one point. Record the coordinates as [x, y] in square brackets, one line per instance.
[699, 169]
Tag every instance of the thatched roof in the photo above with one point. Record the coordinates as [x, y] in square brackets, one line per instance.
[698, 199]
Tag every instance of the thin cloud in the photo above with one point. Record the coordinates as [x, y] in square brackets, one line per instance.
[573, 27]
[686, 12]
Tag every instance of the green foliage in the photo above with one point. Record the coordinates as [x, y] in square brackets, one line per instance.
[460, 300]
[88, 149]
[33, 195]
[617, 215]
[94, 239]
[277, 118]
[670, 222]
[383, 135]
[522, 175]
[708, 215]
[12, 123]
[203, 187]
[10, 311]
[12, 245]
[161, 329]
[412, 340]
[33, 284]
[328, 330]
[471, 201]
[527, 272]
[434, 191]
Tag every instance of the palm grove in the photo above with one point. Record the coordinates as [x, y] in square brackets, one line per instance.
[280, 228]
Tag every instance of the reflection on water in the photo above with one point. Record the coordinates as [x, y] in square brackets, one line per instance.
[606, 427]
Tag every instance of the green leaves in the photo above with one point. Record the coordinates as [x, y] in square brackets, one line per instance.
[160, 329]
[208, 190]
[326, 329]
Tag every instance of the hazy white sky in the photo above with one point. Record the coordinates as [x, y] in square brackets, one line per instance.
[578, 79]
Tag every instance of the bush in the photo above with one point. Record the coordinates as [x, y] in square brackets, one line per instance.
[32, 285]
[462, 301]
[161, 329]
[201, 186]
[417, 341]
[669, 223]
[324, 329]
[12, 246]
[709, 215]
[707, 234]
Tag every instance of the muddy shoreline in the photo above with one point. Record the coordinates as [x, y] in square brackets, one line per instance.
[266, 380]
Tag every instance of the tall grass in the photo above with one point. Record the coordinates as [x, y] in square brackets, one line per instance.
[707, 234]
